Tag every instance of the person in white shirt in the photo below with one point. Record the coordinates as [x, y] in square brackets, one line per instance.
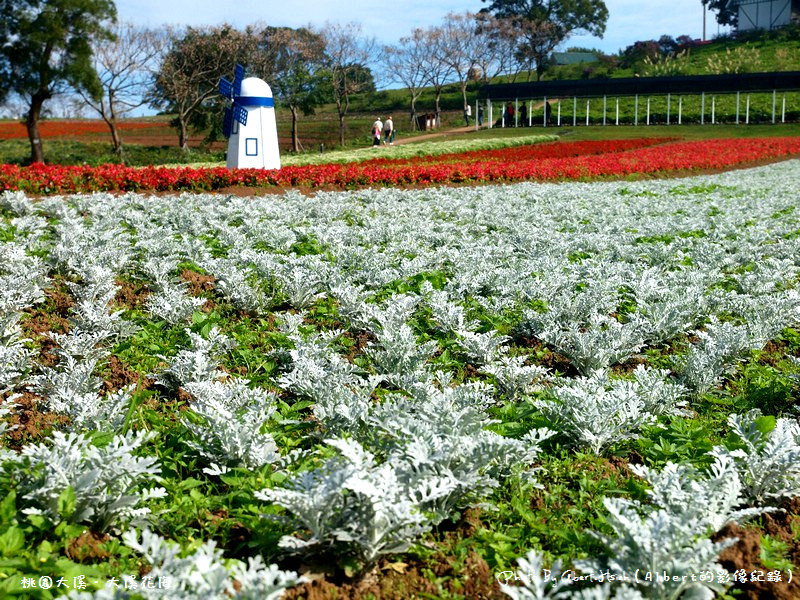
[377, 127]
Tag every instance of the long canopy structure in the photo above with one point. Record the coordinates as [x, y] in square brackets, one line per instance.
[542, 92]
[630, 86]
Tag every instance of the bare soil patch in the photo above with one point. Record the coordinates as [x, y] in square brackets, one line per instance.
[746, 553]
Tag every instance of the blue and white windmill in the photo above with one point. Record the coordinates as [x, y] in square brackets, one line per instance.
[249, 123]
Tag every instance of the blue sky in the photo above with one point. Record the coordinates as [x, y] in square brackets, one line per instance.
[388, 20]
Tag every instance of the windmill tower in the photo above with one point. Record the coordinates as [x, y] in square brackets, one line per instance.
[249, 123]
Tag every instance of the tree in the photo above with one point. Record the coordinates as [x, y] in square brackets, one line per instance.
[190, 72]
[46, 48]
[347, 52]
[499, 47]
[640, 51]
[567, 16]
[461, 47]
[727, 12]
[125, 66]
[437, 65]
[527, 44]
[543, 24]
[405, 63]
[298, 78]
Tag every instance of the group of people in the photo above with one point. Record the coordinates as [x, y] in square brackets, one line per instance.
[508, 115]
[386, 129]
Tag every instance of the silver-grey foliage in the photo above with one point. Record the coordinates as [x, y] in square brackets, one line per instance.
[230, 417]
[107, 483]
[768, 463]
[597, 411]
[354, 503]
[204, 573]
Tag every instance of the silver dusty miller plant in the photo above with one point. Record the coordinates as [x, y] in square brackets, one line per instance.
[768, 463]
[198, 363]
[597, 411]
[71, 388]
[597, 343]
[104, 482]
[443, 434]
[203, 573]
[671, 535]
[716, 353]
[481, 348]
[353, 504]
[230, 417]
[22, 281]
[171, 302]
[397, 354]
[514, 378]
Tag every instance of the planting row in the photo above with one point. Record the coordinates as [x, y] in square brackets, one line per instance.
[572, 161]
[420, 149]
[530, 151]
[53, 129]
[330, 380]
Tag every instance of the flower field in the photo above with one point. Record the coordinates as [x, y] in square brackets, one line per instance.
[388, 393]
[417, 149]
[59, 128]
[557, 161]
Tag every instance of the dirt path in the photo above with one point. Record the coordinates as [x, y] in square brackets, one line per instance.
[436, 134]
[457, 130]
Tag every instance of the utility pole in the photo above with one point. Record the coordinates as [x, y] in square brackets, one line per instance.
[704, 21]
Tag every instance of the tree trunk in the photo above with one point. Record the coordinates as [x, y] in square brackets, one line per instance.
[183, 134]
[294, 129]
[32, 124]
[110, 117]
[413, 114]
[116, 139]
[438, 109]
[343, 106]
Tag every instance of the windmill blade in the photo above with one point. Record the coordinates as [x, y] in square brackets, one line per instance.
[227, 122]
[225, 88]
[238, 75]
[240, 114]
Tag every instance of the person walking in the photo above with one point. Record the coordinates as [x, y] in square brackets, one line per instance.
[523, 115]
[480, 115]
[388, 131]
[467, 114]
[377, 127]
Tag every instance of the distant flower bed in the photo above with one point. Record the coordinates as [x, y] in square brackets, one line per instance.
[52, 129]
[554, 149]
[426, 149]
[550, 162]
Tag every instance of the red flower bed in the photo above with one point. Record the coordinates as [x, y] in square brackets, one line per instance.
[512, 164]
[529, 152]
[51, 129]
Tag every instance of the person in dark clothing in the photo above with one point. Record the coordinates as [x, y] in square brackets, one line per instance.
[547, 112]
[523, 115]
